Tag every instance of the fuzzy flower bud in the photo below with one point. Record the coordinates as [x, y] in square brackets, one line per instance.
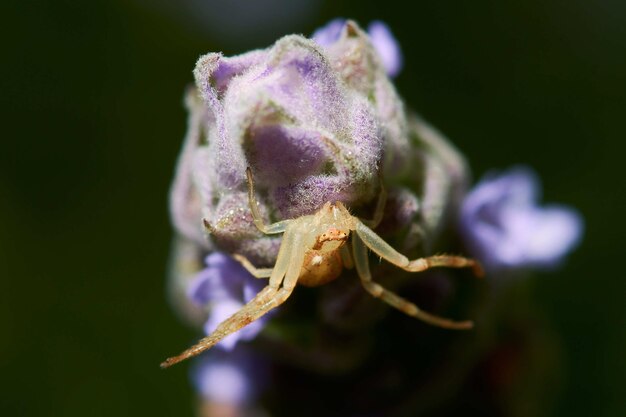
[317, 121]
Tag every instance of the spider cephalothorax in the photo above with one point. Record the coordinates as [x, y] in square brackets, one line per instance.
[314, 251]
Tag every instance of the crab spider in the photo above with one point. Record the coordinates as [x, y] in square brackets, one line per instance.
[313, 252]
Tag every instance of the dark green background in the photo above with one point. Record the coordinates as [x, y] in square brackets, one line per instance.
[92, 122]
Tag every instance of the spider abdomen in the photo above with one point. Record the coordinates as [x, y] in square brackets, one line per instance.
[320, 267]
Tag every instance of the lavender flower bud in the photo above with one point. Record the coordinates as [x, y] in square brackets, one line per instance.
[315, 123]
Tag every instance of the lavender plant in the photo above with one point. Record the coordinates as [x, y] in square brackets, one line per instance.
[318, 121]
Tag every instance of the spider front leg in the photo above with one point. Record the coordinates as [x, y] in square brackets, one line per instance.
[278, 227]
[361, 262]
[281, 284]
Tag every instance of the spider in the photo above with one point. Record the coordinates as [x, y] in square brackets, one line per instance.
[313, 252]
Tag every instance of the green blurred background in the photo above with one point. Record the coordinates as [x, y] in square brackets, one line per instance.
[92, 121]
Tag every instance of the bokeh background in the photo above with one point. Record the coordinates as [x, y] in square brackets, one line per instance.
[92, 121]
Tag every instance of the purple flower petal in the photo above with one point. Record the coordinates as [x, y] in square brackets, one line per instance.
[229, 159]
[221, 311]
[225, 286]
[185, 199]
[329, 34]
[286, 154]
[506, 228]
[223, 278]
[386, 46]
[224, 382]
[234, 377]
[230, 67]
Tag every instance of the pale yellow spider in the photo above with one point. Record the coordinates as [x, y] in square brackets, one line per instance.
[313, 252]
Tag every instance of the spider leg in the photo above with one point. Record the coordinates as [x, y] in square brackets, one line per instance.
[253, 270]
[380, 208]
[346, 257]
[362, 266]
[288, 265]
[247, 314]
[384, 250]
[278, 227]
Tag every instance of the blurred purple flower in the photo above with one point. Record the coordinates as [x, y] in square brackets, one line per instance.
[387, 47]
[224, 286]
[234, 377]
[383, 41]
[505, 227]
[329, 34]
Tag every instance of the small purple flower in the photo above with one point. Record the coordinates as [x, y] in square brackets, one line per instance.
[506, 228]
[225, 286]
[234, 377]
[329, 34]
[387, 47]
[383, 41]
